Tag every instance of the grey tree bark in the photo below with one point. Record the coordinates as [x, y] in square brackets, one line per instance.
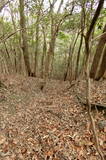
[24, 37]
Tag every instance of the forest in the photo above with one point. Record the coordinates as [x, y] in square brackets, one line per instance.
[52, 79]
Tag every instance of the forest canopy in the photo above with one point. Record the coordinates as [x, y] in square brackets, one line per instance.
[48, 38]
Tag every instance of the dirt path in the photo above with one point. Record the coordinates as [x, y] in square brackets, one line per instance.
[44, 125]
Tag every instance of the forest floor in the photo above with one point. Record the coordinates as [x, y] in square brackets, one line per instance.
[49, 124]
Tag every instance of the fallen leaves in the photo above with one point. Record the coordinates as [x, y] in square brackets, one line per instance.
[2, 139]
[46, 125]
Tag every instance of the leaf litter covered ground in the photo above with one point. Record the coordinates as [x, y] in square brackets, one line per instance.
[49, 124]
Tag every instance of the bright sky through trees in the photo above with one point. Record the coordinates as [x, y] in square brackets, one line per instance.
[5, 12]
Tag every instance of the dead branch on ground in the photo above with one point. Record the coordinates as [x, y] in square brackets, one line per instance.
[93, 105]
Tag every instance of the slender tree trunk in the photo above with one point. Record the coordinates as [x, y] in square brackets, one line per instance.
[24, 37]
[49, 56]
[68, 64]
[8, 58]
[54, 32]
[37, 38]
[52, 58]
[87, 50]
[98, 54]
[71, 52]
[102, 68]
[91, 27]
[18, 56]
[6, 53]
[4, 63]
[43, 54]
[78, 58]
[82, 25]
[36, 45]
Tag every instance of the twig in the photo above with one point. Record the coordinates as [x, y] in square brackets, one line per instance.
[10, 35]
[90, 114]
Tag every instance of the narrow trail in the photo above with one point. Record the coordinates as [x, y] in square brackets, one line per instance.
[44, 125]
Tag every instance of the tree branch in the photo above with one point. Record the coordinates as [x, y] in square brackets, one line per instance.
[10, 35]
[96, 15]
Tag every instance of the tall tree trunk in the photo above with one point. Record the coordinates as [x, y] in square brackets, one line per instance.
[78, 57]
[50, 52]
[54, 32]
[98, 54]
[49, 56]
[91, 27]
[82, 25]
[44, 53]
[37, 37]
[70, 53]
[24, 37]
[68, 64]
[18, 56]
[102, 67]
[36, 45]
[87, 50]
[8, 58]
